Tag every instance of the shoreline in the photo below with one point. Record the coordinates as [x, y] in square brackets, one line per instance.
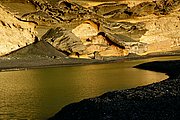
[13, 63]
[131, 22]
[154, 101]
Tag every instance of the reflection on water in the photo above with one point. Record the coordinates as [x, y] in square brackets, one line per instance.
[39, 93]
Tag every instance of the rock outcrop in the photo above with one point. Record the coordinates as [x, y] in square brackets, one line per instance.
[53, 12]
[163, 34]
[84, 41]
[98, 45]
[121, 10]
[86, 29]
[64, 40]
[111, 28]
[14, 33]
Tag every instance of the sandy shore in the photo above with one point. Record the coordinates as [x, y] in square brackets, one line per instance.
[41, 55]
[157, 101]
[28, 59]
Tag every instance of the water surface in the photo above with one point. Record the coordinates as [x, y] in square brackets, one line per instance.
[39, 93]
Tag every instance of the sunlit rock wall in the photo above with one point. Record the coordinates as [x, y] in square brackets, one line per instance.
[163, 33]
[14, 34]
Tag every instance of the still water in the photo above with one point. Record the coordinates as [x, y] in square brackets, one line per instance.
[39, 93]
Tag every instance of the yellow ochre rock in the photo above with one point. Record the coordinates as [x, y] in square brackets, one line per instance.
[14, 34]
[87, 29]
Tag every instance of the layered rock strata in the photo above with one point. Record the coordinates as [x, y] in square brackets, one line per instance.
[14, 33]
[56, 12]
[163, 34]
[111, 28]
[64, 40]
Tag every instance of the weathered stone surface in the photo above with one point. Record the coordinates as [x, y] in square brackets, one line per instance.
[114, 51]
[129, 30]
[54, 12]
[14, 1]
[91, 48]
[131, 8]
[126, 24]
[99, 39]
[127, 44]
[97, 44]
[143, 9]
[166, 6]
[109, 9]
[132, 3]
[138, 48]
[14, 33]
[64, 40]
[163, 34]
[130, 34]
[86, 30]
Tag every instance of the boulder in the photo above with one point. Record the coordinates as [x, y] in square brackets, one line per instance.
[14, 33]
[113, 51]
[99, 44]
[64, 40]
[86, 30]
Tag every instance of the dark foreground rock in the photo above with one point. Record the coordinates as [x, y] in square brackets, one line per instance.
[158, 101]
[172, 68]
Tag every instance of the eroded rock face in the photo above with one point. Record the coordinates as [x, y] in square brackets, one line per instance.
[64, 40]
[163, 34]
[109, 10]
[14, 34]
[98, 45]
[129, 26]
[133, 8]
[86, 30]
[85, 41]
[53, 12]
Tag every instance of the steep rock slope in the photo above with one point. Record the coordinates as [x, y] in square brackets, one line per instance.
[139, 27]
[14, 34]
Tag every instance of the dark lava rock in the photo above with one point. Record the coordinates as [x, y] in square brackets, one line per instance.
[158, 101]
[172, 68]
